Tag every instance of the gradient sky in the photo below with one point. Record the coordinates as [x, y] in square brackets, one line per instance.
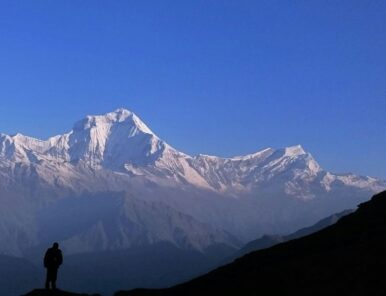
[214, 77]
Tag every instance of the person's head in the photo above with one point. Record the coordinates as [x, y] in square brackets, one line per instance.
[55, 245]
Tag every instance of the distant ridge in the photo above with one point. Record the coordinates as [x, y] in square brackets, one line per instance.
[347, 258]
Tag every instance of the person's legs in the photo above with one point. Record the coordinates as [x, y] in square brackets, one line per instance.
[54, 276]
[51, 277]
[48, 279]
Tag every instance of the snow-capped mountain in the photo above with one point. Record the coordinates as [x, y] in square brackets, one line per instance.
[112, 183]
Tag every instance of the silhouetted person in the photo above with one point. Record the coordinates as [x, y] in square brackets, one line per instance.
[52, 260]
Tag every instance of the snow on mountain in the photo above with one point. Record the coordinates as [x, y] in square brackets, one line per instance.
[217, 200]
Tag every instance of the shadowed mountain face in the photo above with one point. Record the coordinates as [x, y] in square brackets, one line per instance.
[154, 266]
[347, 258]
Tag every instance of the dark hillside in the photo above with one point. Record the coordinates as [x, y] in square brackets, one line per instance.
[268, 241]
[43, 292]
[347, 258]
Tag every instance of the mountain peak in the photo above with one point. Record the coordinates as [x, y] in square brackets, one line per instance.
[113, 139]
[118, 116]
[122, 110]
[294, 150]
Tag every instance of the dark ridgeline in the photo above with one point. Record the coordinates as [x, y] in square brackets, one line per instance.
[348, 258]
[42, 292]
[267, 241]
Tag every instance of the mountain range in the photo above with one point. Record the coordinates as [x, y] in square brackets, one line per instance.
[112, 184]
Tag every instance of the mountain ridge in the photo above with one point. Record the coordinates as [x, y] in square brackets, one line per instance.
[236, 199]
[88, 142]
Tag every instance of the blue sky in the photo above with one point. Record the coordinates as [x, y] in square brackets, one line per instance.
[214, 77]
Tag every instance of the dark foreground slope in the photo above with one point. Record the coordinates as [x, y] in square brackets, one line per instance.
[267, 241]
[42, 292]
[347, 258]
